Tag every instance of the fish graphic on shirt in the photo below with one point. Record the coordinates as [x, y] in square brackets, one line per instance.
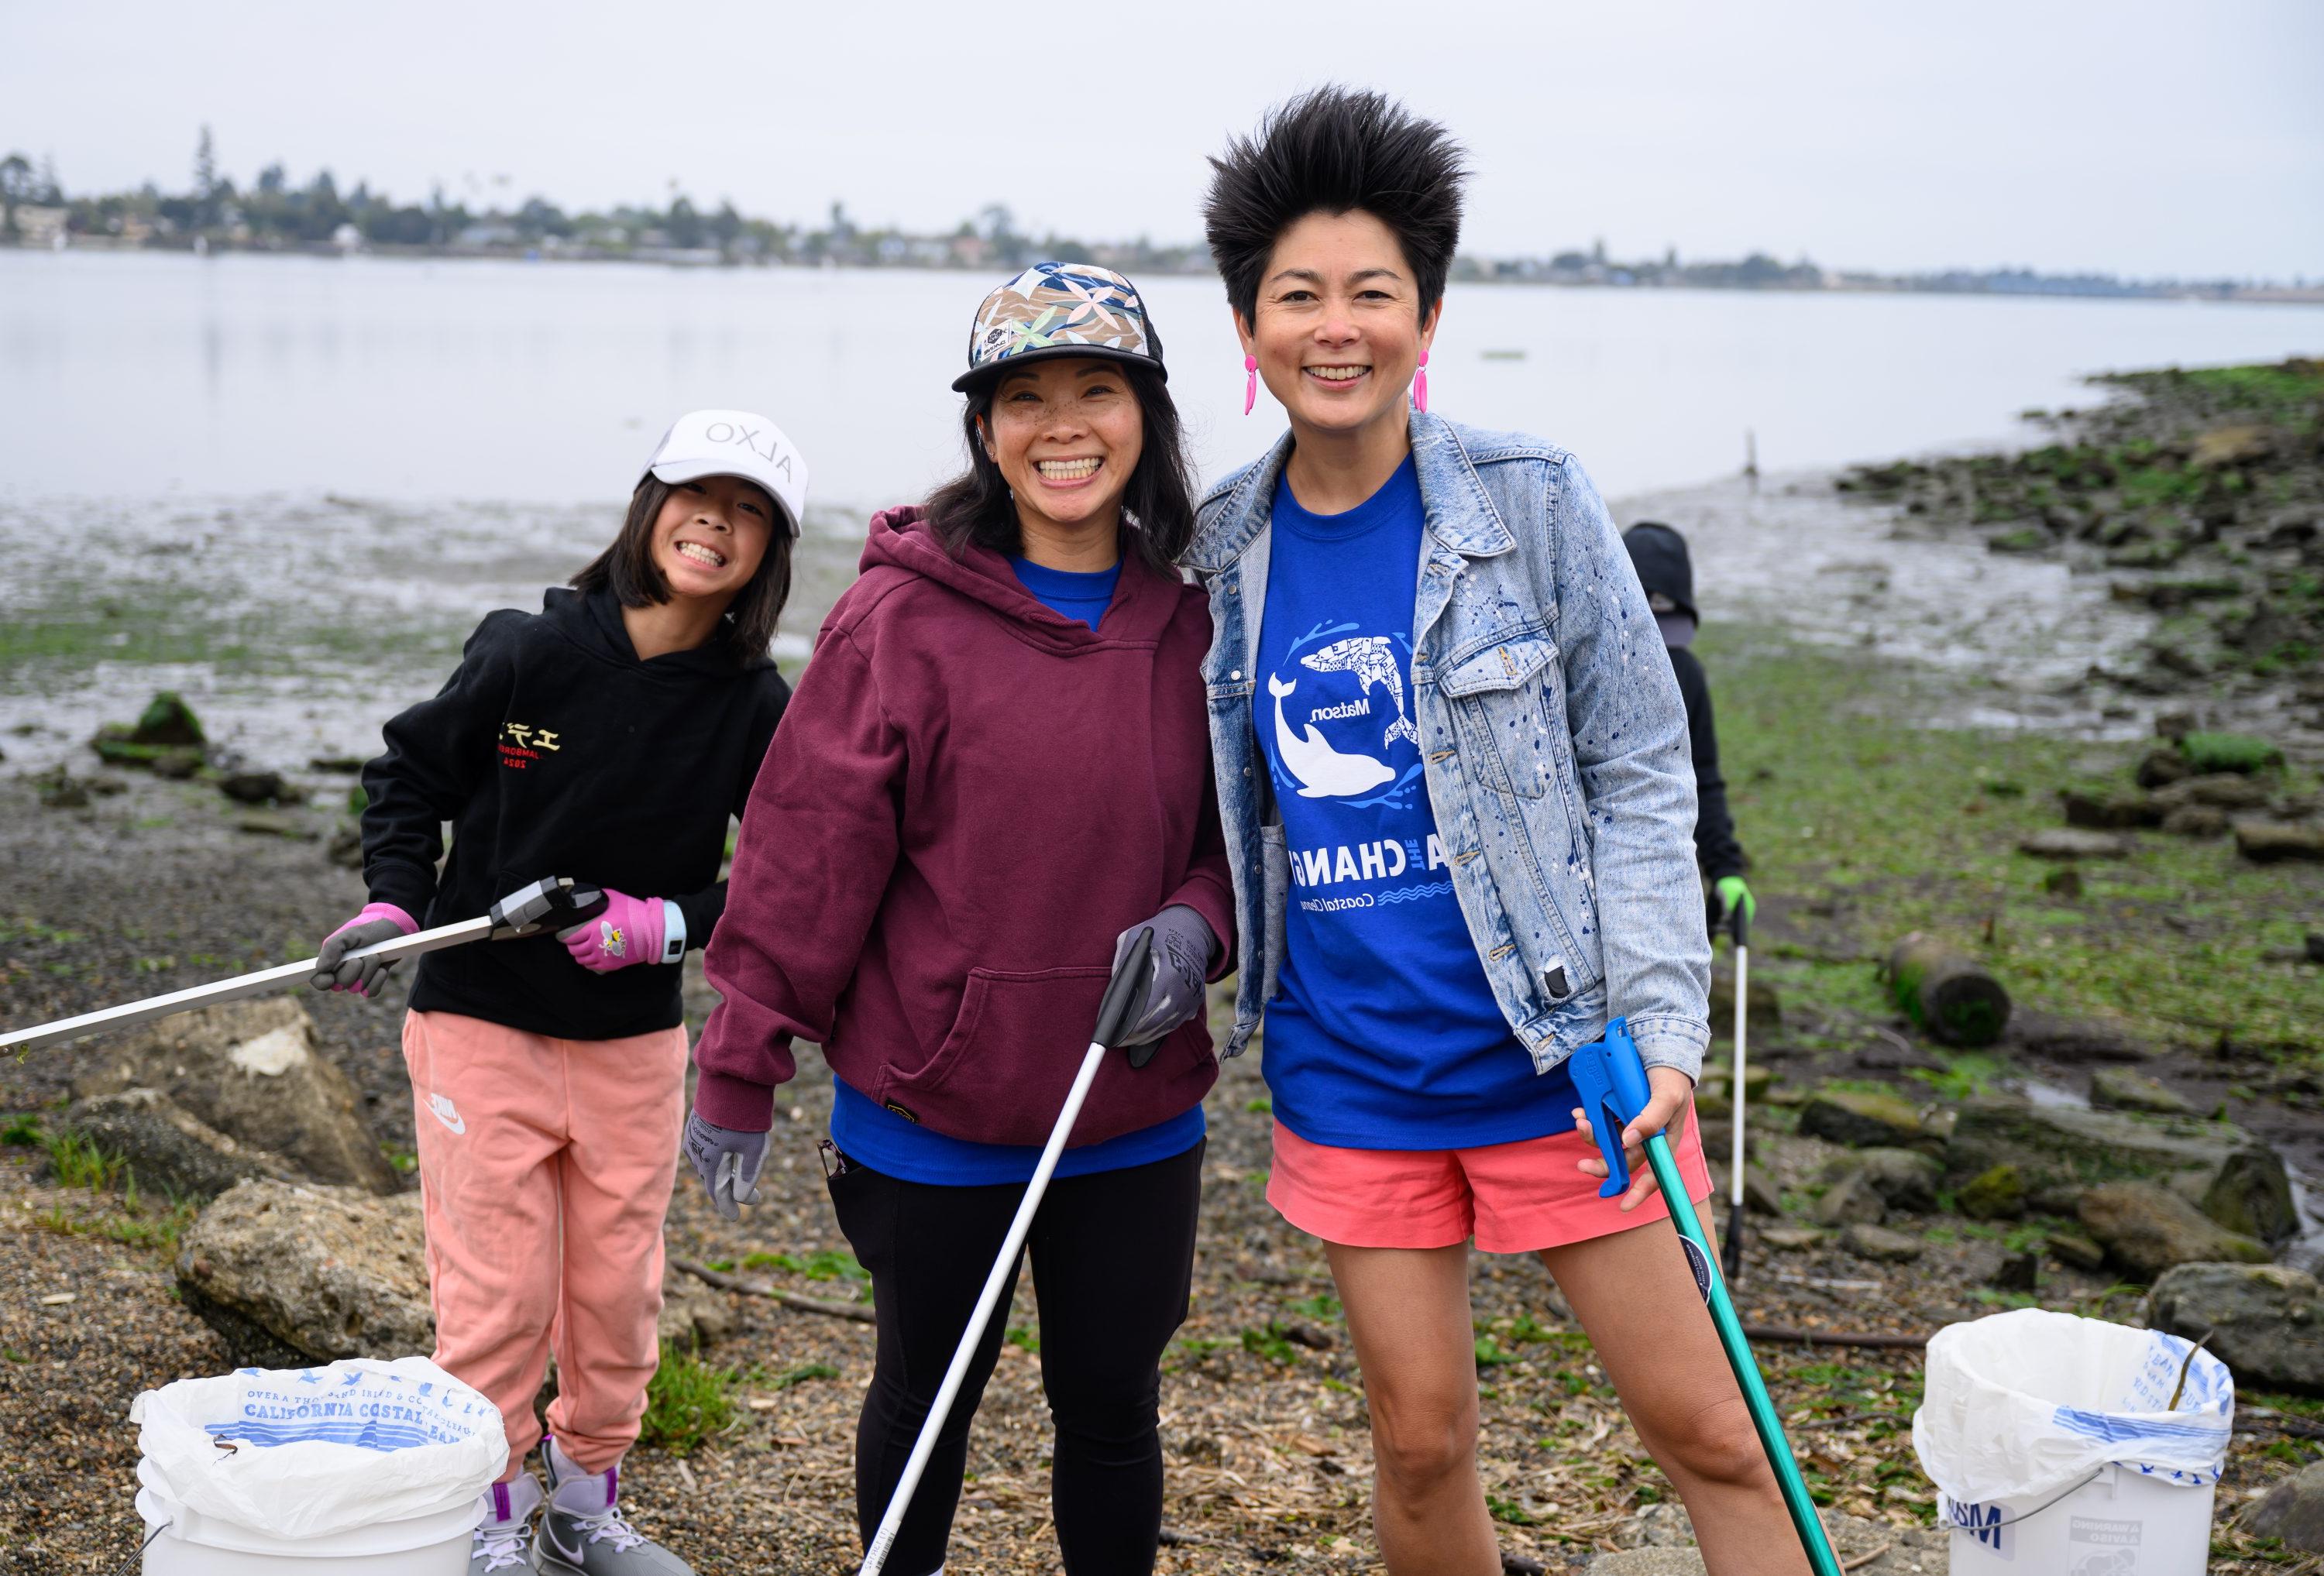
[1371, 660]
[1322, 771]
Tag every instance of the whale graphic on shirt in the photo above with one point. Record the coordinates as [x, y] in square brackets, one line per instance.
[1322, 771]
[1371, 659]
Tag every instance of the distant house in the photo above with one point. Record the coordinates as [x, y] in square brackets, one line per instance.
[41, 226]
[347, 238]
[491, 233]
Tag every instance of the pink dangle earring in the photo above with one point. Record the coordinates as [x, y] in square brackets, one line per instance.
[1250, 383]
[1420, 385]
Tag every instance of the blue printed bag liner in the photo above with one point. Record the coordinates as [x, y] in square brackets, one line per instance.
[2031, 1401]
[312, 1453]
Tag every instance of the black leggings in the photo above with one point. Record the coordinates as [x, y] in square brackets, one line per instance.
[1113, 1258]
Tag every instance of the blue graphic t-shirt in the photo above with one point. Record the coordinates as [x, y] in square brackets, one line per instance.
[871, 1134]
[1384, 1034]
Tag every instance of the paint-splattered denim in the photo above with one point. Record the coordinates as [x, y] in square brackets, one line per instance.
[1553, 736]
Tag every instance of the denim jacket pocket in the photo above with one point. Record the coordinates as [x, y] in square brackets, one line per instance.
[1506, 694]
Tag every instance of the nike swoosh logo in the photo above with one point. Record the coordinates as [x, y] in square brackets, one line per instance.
[573, 1555]
[446, 1113]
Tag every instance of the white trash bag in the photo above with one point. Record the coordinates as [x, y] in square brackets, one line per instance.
[295, 1455]
[2046, 1432]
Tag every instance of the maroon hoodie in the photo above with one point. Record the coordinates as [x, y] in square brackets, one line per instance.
[969, 797]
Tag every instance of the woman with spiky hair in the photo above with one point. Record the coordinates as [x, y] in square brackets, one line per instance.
[1458, 803]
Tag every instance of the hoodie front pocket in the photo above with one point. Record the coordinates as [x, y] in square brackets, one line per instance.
[1002, 1073]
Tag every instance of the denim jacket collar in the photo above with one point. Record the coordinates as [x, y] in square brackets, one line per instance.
[1461, 514]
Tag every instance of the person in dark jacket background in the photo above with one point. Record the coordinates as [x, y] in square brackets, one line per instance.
[1666, 570]
[608, 738]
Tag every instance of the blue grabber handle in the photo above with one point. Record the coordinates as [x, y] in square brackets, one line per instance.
[1612, 1082]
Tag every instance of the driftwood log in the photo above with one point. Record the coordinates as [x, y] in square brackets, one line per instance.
[1948, 994]
[859, 1312]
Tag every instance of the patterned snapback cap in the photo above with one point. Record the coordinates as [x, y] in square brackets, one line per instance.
[1060, 308]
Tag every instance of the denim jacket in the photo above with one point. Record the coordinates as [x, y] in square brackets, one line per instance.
[1554, 740]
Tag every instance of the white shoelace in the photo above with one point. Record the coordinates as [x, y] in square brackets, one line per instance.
[502, 1548]
[611, 1528]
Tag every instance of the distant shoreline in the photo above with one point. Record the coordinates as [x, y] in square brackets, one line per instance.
[1465, 272]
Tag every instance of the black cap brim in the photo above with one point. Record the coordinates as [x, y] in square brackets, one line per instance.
[992, 372]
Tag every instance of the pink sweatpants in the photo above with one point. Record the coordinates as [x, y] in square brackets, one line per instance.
[545, 1171]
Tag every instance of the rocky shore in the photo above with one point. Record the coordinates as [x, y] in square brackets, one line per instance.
[2136, 1142]
[2198, 495]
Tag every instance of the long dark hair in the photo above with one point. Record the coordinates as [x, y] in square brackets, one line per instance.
[627, 570]
[1158, 508]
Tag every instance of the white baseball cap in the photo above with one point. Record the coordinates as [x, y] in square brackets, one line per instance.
[733, 443]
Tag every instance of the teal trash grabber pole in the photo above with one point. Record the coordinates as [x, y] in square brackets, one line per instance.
[1613, 1085]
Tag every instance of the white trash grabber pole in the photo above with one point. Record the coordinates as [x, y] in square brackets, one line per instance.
[1732, 1253]
[1114, 1016]
[557, 903]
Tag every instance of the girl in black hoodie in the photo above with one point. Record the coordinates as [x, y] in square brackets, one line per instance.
[608, 738]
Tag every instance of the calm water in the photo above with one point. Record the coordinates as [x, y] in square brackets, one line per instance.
[289, 486]
[143, 376]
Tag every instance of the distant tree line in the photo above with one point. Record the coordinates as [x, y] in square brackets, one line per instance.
[272, 214]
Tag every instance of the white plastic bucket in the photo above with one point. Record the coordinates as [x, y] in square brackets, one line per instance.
[2121, 1523]
[194, 1544]
[2072, 1447]
[357, 1468]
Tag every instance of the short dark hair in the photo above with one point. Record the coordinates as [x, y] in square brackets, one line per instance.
[1335, 151]
[1157, 509]
[627, 569]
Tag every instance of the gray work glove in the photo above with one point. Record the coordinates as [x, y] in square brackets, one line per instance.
[378, 922]
[1183, 945]
[727, 1162]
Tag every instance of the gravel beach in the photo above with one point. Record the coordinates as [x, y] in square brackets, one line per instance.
[1264, 1415]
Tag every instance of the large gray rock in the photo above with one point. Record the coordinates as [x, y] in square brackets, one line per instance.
[2070, 842]
[2228, 1174]
[2218, 790]
[2266, 1321]
[1850, 1201]
[254, 1070]
[324, 1272]
[2271, 841]
[1905, 1179]
[168, 1149]
[2293, 1510]
[1880, 1244]
[2148, 1230]
[2074, 1039]
[1862, 1118]
[693, 1314]
[2126, 1089]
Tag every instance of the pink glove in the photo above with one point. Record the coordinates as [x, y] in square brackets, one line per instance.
[378, 922]
[631, 930]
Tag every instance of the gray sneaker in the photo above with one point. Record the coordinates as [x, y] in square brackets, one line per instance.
[503, 1541]
[582, 1532]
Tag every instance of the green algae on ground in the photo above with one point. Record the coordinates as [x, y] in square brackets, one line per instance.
[1863, 824]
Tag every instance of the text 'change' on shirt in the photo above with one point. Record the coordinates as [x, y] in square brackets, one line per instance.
[1384, 1034]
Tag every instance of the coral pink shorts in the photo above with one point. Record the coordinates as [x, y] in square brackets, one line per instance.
[1512, 1198]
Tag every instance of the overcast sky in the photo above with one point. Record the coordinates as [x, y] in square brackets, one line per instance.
[2127, 135]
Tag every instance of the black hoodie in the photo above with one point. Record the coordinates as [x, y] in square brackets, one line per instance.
[554, 751]
[1666, 571]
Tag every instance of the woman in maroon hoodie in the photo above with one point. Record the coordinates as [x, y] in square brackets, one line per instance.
[995, 771]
